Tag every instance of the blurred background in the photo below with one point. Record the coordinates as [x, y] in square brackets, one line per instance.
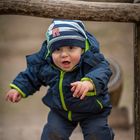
[23, 35]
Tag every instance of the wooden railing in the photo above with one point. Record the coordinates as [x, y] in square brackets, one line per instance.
[92, 11]
[121, 1]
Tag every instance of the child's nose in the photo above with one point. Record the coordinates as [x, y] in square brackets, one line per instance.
[64, 54]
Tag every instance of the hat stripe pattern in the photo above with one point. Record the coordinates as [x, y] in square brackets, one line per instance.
[63, 29]
[66, 33]
[65, 37]
[73, 24]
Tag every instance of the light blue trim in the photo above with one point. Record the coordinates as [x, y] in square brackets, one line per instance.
[65, 37]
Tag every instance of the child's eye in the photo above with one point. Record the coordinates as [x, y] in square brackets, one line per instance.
[71, 47]
[58, 49]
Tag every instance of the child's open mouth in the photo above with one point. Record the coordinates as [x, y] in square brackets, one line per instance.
[66, 63]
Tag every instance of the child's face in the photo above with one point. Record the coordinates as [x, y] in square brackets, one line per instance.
[67, 57]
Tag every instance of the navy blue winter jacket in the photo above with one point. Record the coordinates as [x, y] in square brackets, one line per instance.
[41, 71]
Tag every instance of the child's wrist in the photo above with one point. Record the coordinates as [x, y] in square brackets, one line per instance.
[91, 84]
[18, 90]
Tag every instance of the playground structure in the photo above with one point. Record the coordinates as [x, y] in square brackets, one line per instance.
[116, 12]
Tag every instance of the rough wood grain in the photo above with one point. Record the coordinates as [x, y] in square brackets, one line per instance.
[136, 1]
[92, 11]
[137, 80]
[121, 1]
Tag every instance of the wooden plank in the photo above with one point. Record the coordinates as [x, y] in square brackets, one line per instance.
[137, 80]
[92, 11]
[121, 1]
[136, 1]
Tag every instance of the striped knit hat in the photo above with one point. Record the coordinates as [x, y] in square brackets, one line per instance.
[66, 33]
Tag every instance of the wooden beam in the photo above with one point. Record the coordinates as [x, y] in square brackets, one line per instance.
[121, 1]
[136, 1]
[92, 11]
[137, 80]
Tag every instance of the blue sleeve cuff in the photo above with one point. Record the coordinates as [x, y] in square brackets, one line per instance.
[18, 89]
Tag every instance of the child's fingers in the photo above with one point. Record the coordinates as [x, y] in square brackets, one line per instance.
[10, 97]
[83, 95]
[72, 88]
[14, 98]
[77, 90]
[7, 97]
[74, 83]
[18, 98]
[81, 91]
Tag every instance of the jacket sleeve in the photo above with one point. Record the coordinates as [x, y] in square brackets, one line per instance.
[29, 81]
[98, 67]
[99, 73]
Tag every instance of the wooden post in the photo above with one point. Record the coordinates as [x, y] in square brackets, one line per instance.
[137, 80]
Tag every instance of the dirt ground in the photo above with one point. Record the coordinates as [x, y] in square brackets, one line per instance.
[20, 36]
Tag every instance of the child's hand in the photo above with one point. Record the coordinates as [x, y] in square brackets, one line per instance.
[13, 96]
[80, 88]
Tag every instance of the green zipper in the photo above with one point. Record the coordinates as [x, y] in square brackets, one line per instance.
[62, 73]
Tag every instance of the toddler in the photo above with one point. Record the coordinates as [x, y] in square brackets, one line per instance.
[77, 74]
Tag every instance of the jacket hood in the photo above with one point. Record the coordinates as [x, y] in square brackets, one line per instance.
[94, 44]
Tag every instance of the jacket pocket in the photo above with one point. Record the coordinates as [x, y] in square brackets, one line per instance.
[96, 105]
[99, 103]
[88, 105]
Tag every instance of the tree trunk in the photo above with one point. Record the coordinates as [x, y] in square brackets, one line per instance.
[92, 11]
